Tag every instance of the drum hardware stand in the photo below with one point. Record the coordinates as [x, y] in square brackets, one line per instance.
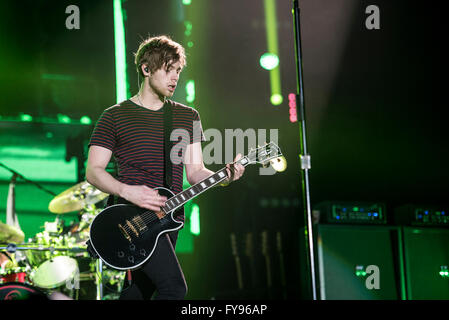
[12, 248]
[99, 270]
[304, 156]
[99, 278]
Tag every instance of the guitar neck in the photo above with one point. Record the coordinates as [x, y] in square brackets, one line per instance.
[181, 198]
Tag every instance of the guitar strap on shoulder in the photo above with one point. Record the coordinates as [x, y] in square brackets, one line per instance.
[168, 126]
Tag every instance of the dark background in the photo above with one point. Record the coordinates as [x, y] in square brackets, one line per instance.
[375, 107]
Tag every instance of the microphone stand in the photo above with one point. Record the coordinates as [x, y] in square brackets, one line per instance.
[304, 156]
[18, 175]
[11, 217]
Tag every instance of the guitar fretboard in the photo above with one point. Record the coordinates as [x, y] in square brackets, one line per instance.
[188, 194]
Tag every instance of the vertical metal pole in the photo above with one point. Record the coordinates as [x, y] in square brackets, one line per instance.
[304, 156]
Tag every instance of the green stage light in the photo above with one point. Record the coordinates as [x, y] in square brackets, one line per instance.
[186, 2]
[122, 87]
[195, 220]
[26, 117]
[276, 99]
[62, 118]
[269, 61]
[190, 91]
[85, 120]
[188, 26]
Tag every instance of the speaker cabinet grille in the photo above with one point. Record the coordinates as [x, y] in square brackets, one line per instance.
[359, 263]
[426, 255]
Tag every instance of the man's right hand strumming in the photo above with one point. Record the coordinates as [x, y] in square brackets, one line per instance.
[143, 196]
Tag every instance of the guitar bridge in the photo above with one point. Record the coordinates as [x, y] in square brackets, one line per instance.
[123, 231]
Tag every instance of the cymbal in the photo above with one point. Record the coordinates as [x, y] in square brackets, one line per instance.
[9, 234]
[76, 198]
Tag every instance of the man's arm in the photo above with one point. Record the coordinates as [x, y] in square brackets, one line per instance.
[196, 171]
[97, 175]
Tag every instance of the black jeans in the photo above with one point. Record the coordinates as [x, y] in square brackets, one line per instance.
[161, 273]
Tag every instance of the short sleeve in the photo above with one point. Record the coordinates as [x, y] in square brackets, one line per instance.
[197, 129]
[104, 134]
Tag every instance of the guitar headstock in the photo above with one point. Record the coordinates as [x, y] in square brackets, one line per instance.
[264, 154]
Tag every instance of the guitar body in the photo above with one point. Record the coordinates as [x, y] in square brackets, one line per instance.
[124, 236]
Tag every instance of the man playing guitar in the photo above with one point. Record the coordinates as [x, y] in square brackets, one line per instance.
[133, 131]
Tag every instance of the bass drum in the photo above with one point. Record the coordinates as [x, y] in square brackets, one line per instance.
[20, 291]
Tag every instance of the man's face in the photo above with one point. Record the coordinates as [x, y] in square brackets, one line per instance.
[164, 80]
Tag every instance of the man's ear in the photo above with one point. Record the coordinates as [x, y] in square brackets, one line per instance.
[145, 70]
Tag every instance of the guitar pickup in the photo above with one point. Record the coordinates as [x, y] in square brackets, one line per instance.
[131, 226]
[138, 221]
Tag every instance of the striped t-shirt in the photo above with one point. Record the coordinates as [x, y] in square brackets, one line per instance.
[135, 135]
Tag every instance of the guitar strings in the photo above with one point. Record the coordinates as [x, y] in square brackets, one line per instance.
[150, 216]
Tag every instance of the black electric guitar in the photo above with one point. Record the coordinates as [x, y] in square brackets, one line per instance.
[124, 236]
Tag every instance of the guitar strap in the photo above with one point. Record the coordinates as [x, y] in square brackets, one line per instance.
[168, 126]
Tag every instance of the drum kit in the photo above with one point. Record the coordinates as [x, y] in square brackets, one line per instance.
[56, 260]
